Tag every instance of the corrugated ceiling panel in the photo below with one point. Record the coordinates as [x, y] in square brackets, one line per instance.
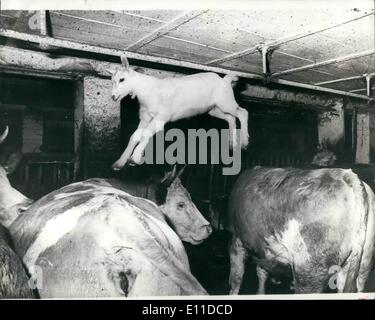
[308, 76]
[282, 60]
[93, 33]
[162, 15]
[249, 63]
[215, 33]
[115, 18]
[316, 48]
[178, 50]
[354, 67]
[273, 24]
[352, 37]
[359, 35]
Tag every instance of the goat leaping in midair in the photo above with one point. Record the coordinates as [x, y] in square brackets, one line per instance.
[171, 99]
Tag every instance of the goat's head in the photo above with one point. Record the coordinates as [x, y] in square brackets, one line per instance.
[11, 201]
[186, 219]
[122, 80]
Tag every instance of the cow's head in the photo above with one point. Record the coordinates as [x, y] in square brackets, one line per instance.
[12, 202]
[181, 212]
[123, 81]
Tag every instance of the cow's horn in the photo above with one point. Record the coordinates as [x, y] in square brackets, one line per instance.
[4, 134]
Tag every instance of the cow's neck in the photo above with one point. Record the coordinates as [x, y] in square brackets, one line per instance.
[12, 203]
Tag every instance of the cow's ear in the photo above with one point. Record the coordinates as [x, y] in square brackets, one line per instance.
[125, 62]
[12, 162]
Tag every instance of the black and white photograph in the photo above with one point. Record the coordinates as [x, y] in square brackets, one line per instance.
[202, 149]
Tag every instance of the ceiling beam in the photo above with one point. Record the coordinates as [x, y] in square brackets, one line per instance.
[67, 44]
[281, 41]
[326, 62]
[165, 28]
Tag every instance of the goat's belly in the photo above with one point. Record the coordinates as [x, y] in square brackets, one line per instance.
[184, 113]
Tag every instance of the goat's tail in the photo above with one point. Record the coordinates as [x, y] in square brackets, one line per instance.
[231, 78]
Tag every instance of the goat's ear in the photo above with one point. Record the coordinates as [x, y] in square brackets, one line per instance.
[124, 61]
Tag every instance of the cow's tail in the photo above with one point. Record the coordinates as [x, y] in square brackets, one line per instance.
[365, 196]
[231, 78]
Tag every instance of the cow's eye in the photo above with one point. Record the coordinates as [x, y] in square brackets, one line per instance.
[180, 205]
[122, 80]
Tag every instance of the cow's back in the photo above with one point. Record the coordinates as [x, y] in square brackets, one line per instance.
[90, 239]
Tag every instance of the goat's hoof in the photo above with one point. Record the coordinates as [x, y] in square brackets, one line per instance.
[135, 160]
[131, 163]
[117, 166]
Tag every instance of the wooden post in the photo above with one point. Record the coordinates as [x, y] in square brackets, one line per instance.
[363, 138]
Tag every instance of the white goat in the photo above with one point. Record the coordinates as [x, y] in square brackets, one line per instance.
[171, 99]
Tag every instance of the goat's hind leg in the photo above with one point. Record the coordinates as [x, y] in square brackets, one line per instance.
[233, 109]
[217, 113]
[243, 116]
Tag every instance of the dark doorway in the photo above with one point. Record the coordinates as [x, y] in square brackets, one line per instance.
[40, 115]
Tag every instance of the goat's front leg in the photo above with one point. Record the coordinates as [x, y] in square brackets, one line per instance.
[133, 141]
[156, 125]
[238, 257]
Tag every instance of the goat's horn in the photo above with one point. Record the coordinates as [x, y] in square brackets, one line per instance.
[4, 134]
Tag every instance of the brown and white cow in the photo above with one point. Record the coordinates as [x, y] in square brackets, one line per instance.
[317, 224]
[14, 281]
[89, 239]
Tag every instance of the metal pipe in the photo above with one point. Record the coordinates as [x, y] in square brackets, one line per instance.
[338, 80]
[326, 62]
[43, 22]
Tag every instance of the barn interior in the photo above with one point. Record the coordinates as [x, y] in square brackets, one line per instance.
[306, 79]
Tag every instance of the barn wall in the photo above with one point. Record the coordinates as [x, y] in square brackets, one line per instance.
[102, 126]
[331, 130]
[100, 129]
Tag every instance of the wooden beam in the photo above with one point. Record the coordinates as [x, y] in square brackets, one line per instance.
[281, 41]
[165, 28]
[36, 73]
[72, 45]
[67, 44]
[326, 62]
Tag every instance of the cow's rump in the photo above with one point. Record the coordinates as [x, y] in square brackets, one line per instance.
[317, 222]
